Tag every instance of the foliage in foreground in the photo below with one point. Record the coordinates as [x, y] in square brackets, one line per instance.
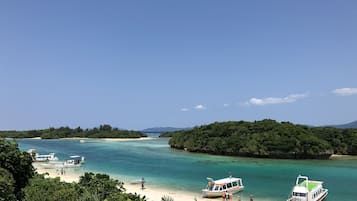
[167, 198]
[15, 170]
[92, 187]
[266, 138]
[7, 190]
[18, 182]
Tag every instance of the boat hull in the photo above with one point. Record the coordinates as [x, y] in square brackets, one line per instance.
[213, 194]
[321, 198]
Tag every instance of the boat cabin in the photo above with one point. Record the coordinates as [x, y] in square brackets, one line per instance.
[215, 188]
[74, 161]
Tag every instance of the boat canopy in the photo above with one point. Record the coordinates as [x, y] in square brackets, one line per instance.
[75, 156]
[226, 180]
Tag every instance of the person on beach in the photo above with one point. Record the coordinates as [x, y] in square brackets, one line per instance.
[251, 197]
[142, 183]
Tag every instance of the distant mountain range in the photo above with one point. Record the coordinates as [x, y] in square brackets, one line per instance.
[162, 129]
[348, 125]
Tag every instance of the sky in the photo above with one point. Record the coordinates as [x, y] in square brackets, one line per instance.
[139, 64]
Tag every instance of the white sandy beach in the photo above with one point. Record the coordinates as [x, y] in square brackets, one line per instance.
[151, 193]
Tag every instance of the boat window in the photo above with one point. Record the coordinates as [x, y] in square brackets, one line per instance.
[234, 183]
[216, 188]
[210, 187]
[224, 187]
[299, 194]
[240, 182]
[220, 188]
[229, 185]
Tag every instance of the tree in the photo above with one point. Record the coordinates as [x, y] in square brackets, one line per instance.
[18, 163]
[41, 189]
[105, 127]
[7, 190]
[101, 185]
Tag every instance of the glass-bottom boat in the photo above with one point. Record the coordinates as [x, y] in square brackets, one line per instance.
[307, 190]
[215, 188]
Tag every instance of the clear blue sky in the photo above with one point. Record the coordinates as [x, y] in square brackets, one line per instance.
[138, 64]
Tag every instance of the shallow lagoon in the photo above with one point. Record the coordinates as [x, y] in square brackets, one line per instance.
[267, 179]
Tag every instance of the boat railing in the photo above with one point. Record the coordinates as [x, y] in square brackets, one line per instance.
[303, 178]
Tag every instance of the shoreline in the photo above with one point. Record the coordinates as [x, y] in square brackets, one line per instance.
[332, 157]
[91, 139]
[345, 157]
[151, 192]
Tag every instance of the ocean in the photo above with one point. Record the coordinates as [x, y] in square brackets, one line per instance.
[161, 166]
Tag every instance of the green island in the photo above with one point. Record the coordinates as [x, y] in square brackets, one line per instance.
[266, 139]
[104, 131]
[19, 181]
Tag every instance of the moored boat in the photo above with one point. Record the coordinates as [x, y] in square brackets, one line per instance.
[74, 161]
[215, 188]
[46, 157]
[42, 157]
[307, 190]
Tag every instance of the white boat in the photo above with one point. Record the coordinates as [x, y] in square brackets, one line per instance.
[42, 158]
[215, 188]
[307, 190]
[74, 161]
[45, 158]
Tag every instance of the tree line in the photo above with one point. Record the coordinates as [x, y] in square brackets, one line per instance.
[267, 139]
[103, 131]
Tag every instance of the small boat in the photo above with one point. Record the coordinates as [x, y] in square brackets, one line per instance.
[46, 158]
[82, 141]
[307, 190]
[74, 161]
[42, 158]
[215, 188]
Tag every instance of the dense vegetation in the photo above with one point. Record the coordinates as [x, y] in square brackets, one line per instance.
[91, 187]
[104, 131]
[18, 181]
[15, 170]
[266, 138]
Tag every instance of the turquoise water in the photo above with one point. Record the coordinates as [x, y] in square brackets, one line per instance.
[161, 166]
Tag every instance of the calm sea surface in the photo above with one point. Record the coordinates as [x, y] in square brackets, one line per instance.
[161, 166]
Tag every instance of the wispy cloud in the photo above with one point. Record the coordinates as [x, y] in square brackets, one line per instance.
[184, 110]
[345, 91]
[275, 100]
[226, 105]
[200, 107]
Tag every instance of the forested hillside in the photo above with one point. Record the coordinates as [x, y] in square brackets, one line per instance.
[266, 138]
